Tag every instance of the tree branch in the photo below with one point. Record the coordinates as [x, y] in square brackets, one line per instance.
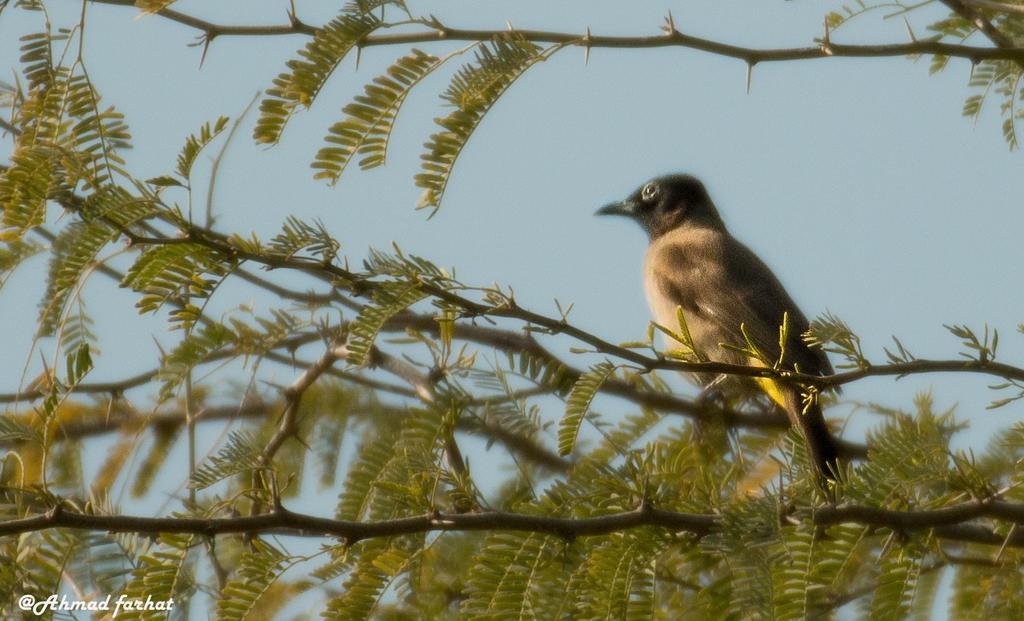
[999, 7]
[946, 523]
[931, 518]
[121, 420]
[211, 29]
[673, 38]
[283, 521]
[511, 310]
[293, 398]
[964, 9]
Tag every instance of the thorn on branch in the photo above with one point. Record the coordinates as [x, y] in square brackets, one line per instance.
[207, 40]
[1006, 542]
[670, 25]
[275, 497]
[910, 31]
[53, 515]
[586, 47]
[646, 508]
[293, 17]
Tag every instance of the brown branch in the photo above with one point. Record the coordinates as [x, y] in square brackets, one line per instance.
[424, 387]
[293, 399]
[282, 521]
[305, 297]
[507, 340]
[8, 128]
[930, 518]
[140, 379]
[116, 387]
[943, 523]
[517, 444]
[826, 49]
[964, 9]
[436, 32]
[212, 29]
[511, 310]
[121, 419]
[999, 7]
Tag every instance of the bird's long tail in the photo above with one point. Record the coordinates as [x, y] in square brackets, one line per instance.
[822, 447]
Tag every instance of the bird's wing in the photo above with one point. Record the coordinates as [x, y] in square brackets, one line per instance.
[728, 285]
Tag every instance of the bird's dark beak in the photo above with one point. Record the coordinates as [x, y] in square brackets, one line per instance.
[622, 208]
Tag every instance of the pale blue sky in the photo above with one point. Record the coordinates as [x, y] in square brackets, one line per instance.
[857, 181]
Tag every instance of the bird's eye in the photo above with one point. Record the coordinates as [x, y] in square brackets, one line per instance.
[649, 192]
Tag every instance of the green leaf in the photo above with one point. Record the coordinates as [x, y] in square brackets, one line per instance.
[619, 580]
[75, 251]
[297, 236]
[578, 404]
[14, 430]
[194, 144]
[371, 319]
[368, 468]
[831, 333]
[473, 91]
[258, 569]
[173, 272]
[97, 135]
[507, 576]
[240, 454]
[25, 186]
[793, 592]
[896, 584]
[197, 346]
[378, 565]
[366, 129]
[165, 181]
[306, 76]
[163, 575]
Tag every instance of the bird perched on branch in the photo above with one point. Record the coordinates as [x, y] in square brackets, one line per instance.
[707, 288]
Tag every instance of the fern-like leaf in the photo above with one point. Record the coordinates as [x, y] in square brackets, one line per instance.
[366, 128]
[473, 92]
[506, 576]
[307, 75]
[368, 468]
[162, 575]
[897, 582]
[367, 325]
[578, 404]
[175, 271]
[380, 562]
[195, 143]
[194, 349]
[13, 254]
[297, 236]
[97, 135]
[240, 454]
[260, 566]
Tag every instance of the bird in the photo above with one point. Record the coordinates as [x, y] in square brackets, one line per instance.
[728, 299]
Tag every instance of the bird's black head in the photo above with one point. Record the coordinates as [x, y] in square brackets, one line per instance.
[666, 203]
